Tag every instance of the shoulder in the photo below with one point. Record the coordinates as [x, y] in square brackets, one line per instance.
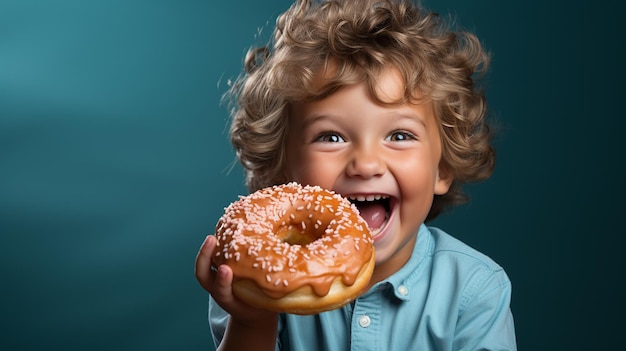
[475, 274]
[473, 291]
[447, 246]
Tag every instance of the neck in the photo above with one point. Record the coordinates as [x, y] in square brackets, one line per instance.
[384, 270]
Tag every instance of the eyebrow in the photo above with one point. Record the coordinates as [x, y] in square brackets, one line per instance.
[410, 116]
[400, 115]
[309, 120]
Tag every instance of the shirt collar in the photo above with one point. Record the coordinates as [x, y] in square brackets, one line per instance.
[402, 282]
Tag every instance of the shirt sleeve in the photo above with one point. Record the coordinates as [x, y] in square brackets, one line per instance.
[485, 321]
[218, 319]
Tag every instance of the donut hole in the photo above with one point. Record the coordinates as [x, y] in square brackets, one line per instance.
[292, 236]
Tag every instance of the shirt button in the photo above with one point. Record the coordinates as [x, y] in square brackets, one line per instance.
[403, 290]
[365, 321]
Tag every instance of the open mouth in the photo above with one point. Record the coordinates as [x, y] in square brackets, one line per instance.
[374, 209]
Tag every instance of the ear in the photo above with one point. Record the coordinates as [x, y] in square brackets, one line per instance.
[444, 180]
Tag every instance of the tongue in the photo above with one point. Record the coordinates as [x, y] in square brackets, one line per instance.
[373, 213]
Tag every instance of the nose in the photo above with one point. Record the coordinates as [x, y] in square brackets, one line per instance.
[366, 162]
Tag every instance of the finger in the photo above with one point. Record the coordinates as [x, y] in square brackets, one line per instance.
[204, 274]
[222, 290]
[223, 295]
[224, 281]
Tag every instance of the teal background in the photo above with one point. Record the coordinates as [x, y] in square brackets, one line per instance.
[115, 164]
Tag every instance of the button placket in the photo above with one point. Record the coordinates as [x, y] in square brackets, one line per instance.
[366, 322]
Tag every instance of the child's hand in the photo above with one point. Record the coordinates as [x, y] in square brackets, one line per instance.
[219, 284]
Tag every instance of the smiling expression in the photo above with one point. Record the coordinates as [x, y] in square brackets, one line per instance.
[385, 158]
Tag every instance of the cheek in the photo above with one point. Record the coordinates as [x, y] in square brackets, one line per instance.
[313, 170]
[297, 163]
[417, 193]
[416, 177]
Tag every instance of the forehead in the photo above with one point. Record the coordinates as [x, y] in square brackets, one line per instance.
[386, 84]
[390, 86]
[387, 100]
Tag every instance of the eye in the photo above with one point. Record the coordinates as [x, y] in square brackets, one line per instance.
[401, 136]
[330, 137]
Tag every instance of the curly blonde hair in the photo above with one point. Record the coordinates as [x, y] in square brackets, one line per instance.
[360, 38]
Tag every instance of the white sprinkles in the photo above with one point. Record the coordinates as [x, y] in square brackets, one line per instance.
[245, 231]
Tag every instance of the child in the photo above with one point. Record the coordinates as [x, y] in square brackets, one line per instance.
[372, 99]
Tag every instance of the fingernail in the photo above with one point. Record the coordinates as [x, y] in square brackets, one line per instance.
[221, 272]
[206, 239]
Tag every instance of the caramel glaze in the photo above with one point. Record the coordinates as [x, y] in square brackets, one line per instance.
[249, 244]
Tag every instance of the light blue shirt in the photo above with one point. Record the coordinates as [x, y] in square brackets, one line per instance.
[448, 296]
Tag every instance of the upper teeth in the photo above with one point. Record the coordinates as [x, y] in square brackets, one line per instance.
[367, 197]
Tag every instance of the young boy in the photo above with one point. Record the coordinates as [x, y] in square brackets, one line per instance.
[371, 99]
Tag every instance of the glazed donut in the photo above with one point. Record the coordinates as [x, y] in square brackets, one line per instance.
[295, 249]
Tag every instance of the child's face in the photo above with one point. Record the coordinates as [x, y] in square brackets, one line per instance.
[365, 151]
